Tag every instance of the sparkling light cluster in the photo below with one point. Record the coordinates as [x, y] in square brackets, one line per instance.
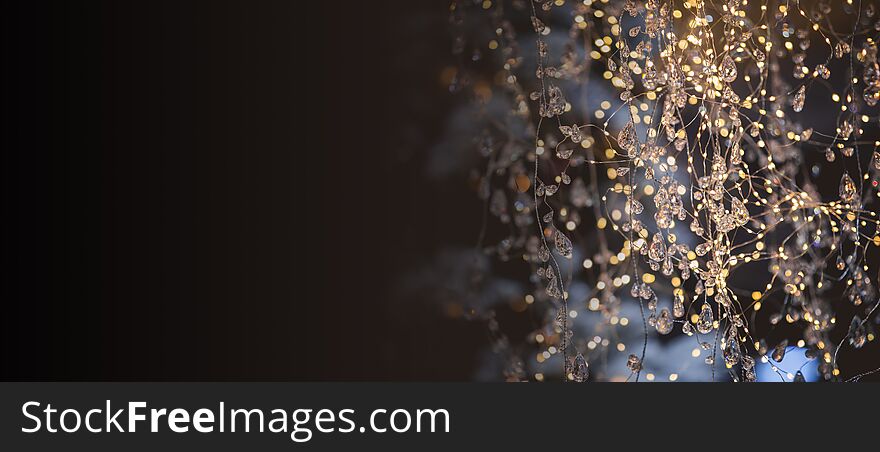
[676, 155]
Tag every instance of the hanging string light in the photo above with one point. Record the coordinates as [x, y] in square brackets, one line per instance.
[674, 155]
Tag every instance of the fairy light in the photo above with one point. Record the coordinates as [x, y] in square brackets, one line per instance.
[700, 163]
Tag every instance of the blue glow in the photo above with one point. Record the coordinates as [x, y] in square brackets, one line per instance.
[795, 359]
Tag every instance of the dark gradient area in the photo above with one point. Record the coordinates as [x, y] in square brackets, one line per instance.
[223, 190]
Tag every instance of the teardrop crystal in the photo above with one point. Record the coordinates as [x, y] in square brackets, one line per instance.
[633, 363]
[627, 139]
[580, 370]
[706, 320]
[563, 244]
[678, 305]
[848, 191]
[657, 250]
[728, 69]
[797, 103]
[664, 322]
[857, 333]
[731, 352]
[738, 212]
[687, 328]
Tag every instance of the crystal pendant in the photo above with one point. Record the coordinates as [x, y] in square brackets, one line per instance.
[687, 328]
[553, 290]
[543, 253]
[635, 289]
[829, 155]
[731, 352]
[739, 213]
[848, 191]
[678, 305]
[706, 320]
[797, 103]
[657, 250]
[627, 139]
[563, 244]
[728, 69]
[633, 363]
[857, 333]
[580, 371]
[664, 322]
[871, 95]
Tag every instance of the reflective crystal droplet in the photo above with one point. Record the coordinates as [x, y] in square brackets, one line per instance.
[543, 253]
[848, 191]
[728, 69]
[563, 244]
[857, 333]
[633, 363]
[553, 290]
[538, 25]
[636, 207]
[580, 371]
[560, 320]
[706, 320]
[627, 139]
[678, 305]
[634, 290]
[799, 377]
[703, 248]
[797, 102]
[846, 129]
[871, 95]
[731, 352]
[829, 155]
[664, 322]
[687, 328]
[657, 250]
[738, 212]
[564, 154]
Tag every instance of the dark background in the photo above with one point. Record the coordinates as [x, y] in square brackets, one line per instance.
[224, 190]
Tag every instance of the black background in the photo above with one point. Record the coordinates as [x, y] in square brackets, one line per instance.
[222, 190]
